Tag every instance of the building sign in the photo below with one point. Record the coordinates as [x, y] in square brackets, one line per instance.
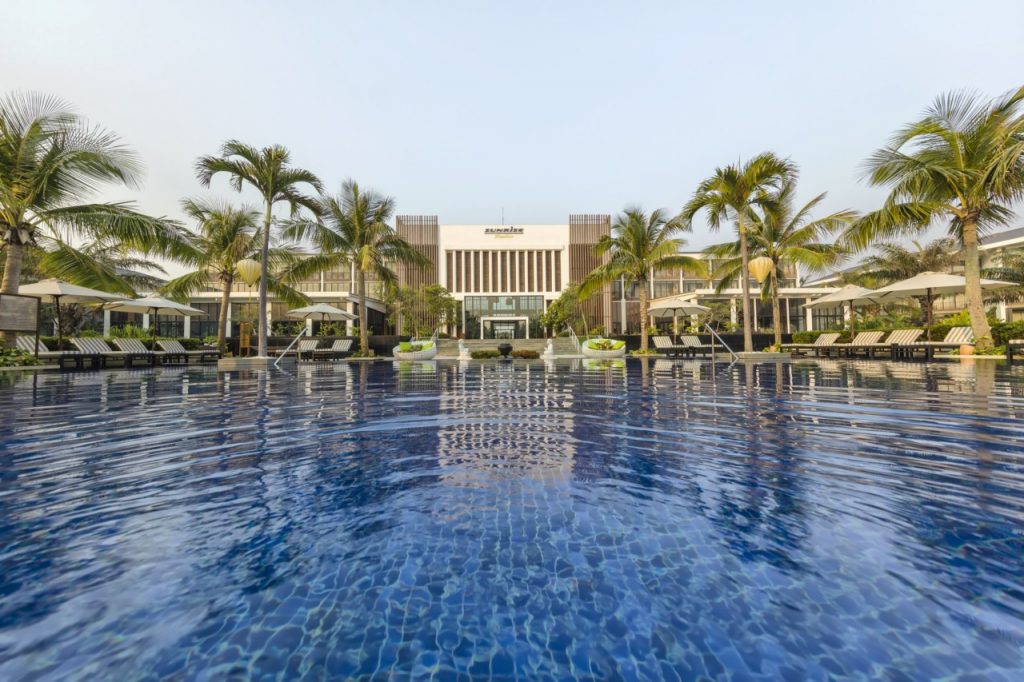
[19, 313]
[503, 229]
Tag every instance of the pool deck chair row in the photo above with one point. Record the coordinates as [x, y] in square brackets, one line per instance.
[901, 343]
[689, 345]
[310, 348]
[98, 353]
[1014, 347]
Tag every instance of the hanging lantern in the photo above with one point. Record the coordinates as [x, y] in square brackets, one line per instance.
[249, 270]
[761, 267]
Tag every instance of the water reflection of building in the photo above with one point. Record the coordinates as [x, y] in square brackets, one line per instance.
[509, 420]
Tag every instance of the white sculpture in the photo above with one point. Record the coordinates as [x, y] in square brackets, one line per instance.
[463, 351]
[549, 352]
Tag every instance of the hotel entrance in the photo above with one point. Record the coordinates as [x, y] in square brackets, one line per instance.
[506, 328]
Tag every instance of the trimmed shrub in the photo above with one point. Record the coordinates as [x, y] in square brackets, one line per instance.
[1007, 331]
[525, 354]
[12, 357]
[484, 354]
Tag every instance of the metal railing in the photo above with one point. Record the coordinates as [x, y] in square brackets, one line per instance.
[714, 335]
[575, 340]
[304, 332]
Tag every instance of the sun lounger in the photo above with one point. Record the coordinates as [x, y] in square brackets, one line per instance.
[138, 350]
[860, 342]
[693, 344]
[894, 343]
[28, 344]
[957, 336]
[339, 349]
[820, 343]
[665, 345]
[99, 347]
[174, 350]
[305, 347]
[1013, 347]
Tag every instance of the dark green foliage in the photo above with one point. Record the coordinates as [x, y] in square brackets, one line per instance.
[525, 354]
[484, 354]
[12, 357]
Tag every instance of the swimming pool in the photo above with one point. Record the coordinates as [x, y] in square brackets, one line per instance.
[660, 520]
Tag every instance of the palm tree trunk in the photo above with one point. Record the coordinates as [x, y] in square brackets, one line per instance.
[12, 279]
[363, 340]
[776, 311]
[748, 333]
[972, 273]
[643, 316]
[265, 255]
[222, 316]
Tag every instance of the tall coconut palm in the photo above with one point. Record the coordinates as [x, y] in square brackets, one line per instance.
[782, 232]
[353, 228]
[963, 164]
[266, 170]
[639, 244]
[731, 193]
[227, 236]
[51, 163]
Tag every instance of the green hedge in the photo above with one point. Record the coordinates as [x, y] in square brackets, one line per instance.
[525, 354]
[1001, 331]
[12, 357]
[188, 344]
[484, 354]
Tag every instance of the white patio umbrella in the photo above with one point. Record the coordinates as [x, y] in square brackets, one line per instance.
[58, 291]
[931, 284]
[671, 306]
[155, 306]
[326, 312]
[851, 295]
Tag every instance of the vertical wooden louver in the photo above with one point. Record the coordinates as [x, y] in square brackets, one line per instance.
[584, 232]
[421, 232]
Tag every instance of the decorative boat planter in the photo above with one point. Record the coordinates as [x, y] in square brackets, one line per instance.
[603, 349]
[415, 350]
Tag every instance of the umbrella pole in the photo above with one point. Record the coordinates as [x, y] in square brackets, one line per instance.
[60, 338]
[928, 313]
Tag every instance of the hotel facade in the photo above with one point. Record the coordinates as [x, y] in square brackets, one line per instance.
[505, 277]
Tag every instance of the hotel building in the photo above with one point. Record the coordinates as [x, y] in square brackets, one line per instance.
[505, 276]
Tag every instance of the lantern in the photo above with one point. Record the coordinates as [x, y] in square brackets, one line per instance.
[761, 267]
[249, 270]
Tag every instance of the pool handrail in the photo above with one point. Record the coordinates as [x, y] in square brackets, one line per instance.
[284, 353]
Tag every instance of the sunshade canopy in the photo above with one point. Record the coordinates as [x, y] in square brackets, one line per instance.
[326, 312]
[935, 284]
[154, 305]
[851, 293]
[50, 290]
[675, 305]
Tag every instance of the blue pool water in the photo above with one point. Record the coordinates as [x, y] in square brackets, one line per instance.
[658, 521]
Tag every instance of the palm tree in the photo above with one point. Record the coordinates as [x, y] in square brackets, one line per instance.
[639, 244]
[353, 228]
[731, 193]
[51, 162]
[782, 233]
[894, 262]
[962, 163]
[267, 170]
[227, 236]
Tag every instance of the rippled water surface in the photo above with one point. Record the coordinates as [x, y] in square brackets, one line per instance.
[806, 521]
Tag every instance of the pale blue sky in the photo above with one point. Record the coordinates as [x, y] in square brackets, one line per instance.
[462, 108]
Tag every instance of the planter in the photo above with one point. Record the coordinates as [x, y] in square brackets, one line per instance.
[597, 354]
[966, 349]
[426, 351]
[504, 349]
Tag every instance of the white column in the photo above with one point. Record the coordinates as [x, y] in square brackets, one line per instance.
[734, 316]
[471, 270]
[145, 320]
[309, 326]
[788, 322]
[1001, 311]
[809, 315]
[543, 271]
[351, 309]
[106, 323]
[514, 277]
[227, 327]
[188, 327]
